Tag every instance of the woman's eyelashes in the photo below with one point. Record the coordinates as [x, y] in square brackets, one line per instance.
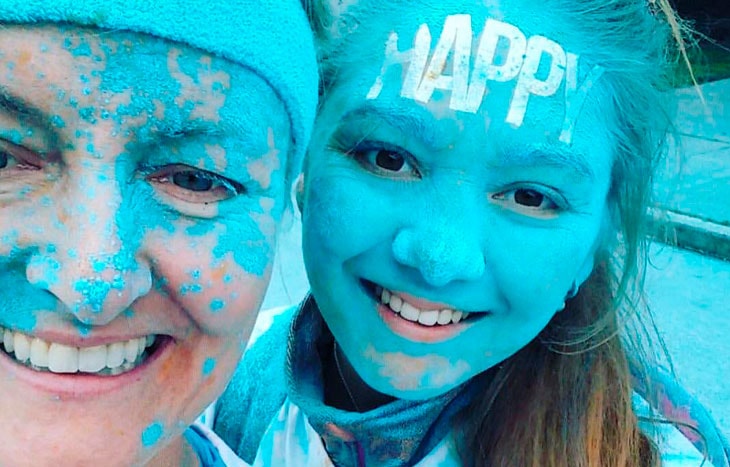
[16, 159]
[192, 185]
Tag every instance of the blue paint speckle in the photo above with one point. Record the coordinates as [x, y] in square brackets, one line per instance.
[190, 288]
[217, 305]
[152, 434]
[208, 366]
[57, 122]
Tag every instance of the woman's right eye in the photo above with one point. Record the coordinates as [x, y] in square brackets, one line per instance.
[9, 161]
[5, 159]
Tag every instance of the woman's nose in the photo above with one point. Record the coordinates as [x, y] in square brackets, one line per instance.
[92, 261]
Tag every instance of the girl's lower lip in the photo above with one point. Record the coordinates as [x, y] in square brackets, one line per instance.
[418, 332]
[83, 386]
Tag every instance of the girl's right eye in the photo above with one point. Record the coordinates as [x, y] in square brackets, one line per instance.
[385, 160]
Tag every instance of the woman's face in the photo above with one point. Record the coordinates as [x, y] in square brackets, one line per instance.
[456, 189]
[141, 183]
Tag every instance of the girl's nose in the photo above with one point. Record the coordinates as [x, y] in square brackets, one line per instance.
[443, 250]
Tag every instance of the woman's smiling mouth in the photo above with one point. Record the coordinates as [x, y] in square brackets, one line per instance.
[101, 360]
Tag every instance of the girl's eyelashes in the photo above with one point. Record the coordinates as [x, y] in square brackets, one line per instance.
[192, 185]
[384, 159]
[530, 201]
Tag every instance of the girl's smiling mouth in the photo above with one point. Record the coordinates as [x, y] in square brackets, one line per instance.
[418, 319]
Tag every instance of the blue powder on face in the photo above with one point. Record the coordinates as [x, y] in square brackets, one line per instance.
[217, 305]
[87, 114]
[83, 329]
[190, 288]
[57, 122]
[18, 310]
[99, 266]
[208, 366]
[95, 291]
[13, 135]
[83, 50]
[50, 268]
[152, 434]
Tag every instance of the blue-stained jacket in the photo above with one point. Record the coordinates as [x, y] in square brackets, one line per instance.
[273, 412]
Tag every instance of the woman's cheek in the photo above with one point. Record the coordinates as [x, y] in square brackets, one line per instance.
[218, 274]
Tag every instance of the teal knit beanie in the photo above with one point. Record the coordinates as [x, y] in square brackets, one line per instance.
[270, 37]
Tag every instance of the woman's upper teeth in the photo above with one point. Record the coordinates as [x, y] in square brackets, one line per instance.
[111, 358]
[425, 317]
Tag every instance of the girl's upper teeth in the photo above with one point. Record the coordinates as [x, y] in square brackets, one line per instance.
[424, 317]
[112, 358]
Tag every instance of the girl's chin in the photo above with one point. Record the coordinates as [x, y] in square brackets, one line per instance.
[408, 385]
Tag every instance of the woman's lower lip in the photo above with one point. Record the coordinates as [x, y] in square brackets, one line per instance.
[417, 332]
[79, 386]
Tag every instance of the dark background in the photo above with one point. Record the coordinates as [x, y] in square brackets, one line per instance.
[709, 17]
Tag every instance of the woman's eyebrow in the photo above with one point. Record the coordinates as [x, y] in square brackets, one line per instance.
[548, 155]
[193, 128]
[17, 105]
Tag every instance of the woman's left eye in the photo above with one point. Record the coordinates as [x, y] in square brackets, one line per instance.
[529, 201]
[194, 185]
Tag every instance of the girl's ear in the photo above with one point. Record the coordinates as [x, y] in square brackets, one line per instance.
[604, 242]
[299, 192]
[585, 270]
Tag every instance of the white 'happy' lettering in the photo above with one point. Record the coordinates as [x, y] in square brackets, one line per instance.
[520, 58]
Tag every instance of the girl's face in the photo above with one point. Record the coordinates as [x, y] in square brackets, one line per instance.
[141, 183]
[456, 189]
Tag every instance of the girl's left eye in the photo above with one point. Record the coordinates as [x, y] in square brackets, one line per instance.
[194, 185]
[528, 201]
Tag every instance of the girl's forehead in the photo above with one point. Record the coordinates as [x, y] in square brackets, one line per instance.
[471, 67]
[406, 17]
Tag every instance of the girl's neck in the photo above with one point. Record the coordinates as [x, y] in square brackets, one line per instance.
[343, 387]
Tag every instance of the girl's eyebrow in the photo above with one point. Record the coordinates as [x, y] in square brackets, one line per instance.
[414, 122]
[548, 155]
